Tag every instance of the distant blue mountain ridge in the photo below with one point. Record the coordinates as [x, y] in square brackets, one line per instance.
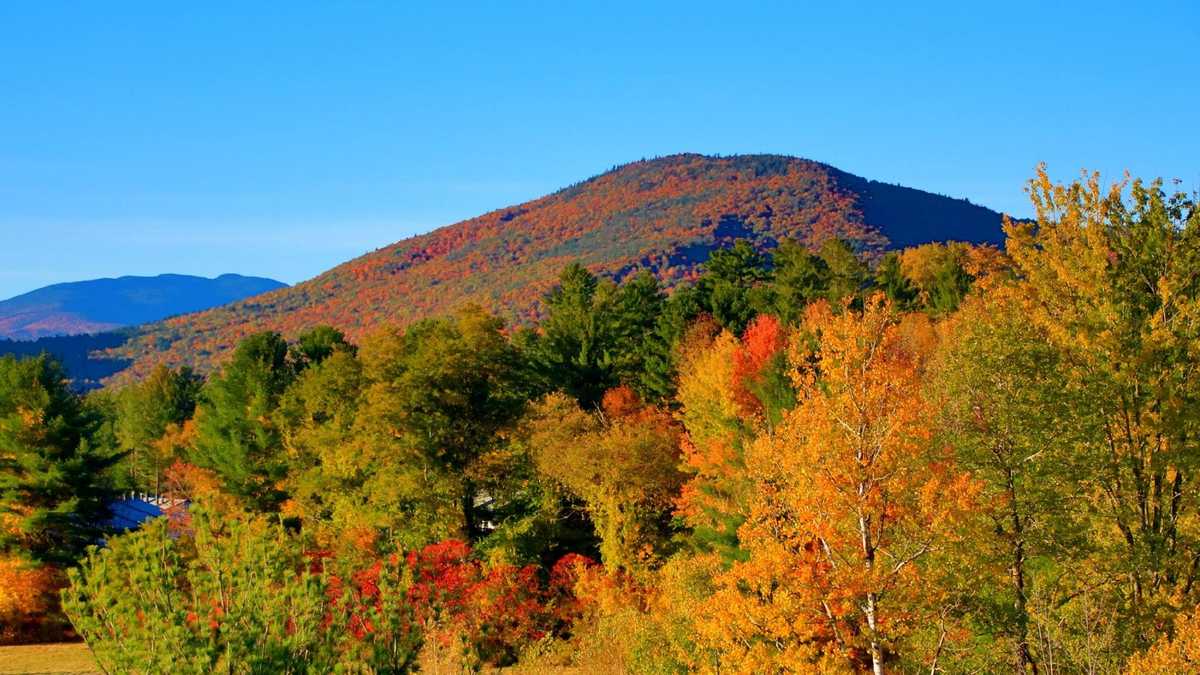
[99, 305]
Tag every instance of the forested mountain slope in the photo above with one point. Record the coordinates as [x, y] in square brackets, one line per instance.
[664, 215]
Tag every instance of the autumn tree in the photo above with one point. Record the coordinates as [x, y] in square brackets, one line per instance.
[1177, 651]
[851, 496]
[715, 500]
[437, 396]
[327, 471]
[622, 461]
[146, 413]
[761, 385]
[238, 593]
[730, 390]
[939, 273]
[29, 601]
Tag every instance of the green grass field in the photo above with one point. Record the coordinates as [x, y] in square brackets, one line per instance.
[71, 657]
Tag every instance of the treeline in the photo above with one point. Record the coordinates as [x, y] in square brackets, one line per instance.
[75, 354]
[950, 459]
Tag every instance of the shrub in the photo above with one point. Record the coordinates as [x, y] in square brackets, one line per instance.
[239, 596]
[29, 609]
[245, 595]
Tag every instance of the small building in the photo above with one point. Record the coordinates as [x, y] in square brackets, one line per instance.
[132, 510]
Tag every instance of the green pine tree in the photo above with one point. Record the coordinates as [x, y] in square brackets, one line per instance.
[237, 437]
[53, 493]
[890, 279]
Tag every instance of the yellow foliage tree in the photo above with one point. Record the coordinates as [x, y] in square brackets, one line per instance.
[622, 461]
[714, 502]
[1178, 653]
[1109, 274]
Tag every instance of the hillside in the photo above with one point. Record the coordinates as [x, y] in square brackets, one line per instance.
[105, 304]
[664, 215]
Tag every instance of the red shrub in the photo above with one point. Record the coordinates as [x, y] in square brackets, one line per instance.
[496, 610]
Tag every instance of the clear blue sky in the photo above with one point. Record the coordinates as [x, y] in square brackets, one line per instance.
[283, 139]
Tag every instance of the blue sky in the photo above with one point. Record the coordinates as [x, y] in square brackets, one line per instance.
[137, 138]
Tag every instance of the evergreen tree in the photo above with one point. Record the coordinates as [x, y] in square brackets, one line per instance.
[950, 285]
[847, 273]
[800, 277]
[656, 382]
[636, 308]
[889, 278]
[53, 495]
[236, 435]
[728, 286]
[576, 349]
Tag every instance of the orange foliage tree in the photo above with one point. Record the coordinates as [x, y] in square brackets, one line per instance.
[851, 493]
[28, 600]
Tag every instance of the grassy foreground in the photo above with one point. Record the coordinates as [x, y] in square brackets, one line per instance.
[70, 657]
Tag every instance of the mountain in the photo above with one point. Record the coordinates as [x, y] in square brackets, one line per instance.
[664, 215]
[101, 305]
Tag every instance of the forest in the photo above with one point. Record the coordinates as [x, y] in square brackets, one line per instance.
[811, 458]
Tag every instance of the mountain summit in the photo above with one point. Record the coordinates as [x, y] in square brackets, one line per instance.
[664, 215]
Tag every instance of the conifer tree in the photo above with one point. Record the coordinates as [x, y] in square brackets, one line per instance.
[53, 495]
[731, 282]
[800, 277]
[847, 273]
[659, 357]
[574, 350]
[889, 278]
[237, 437]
